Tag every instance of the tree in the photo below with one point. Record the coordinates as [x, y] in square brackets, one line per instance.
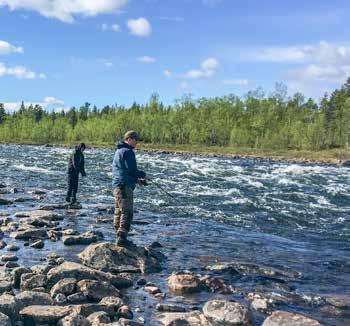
[2, 113]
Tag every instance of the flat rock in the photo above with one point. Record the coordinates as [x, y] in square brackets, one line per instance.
[45, 314]
[111, 258]
[83, 239]
[244, 268]
[66, 286]
[284, 318]
[194, 318]
[29, 234]
[29, 298]
[90, 308]
[46, 215]
[222, 312]
[339, 300]
[81, 272]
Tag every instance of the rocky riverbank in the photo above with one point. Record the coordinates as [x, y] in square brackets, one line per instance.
[97, 285]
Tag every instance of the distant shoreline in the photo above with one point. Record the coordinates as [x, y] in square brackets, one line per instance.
[333, 157]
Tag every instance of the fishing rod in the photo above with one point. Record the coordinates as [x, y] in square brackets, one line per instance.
[166, 192]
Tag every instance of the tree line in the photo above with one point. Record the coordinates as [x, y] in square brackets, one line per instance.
[256, 120]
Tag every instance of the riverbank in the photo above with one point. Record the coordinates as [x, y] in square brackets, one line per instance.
[333, 156]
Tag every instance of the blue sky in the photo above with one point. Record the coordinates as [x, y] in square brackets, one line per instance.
[61, 53]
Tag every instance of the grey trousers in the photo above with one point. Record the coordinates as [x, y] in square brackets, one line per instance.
[123, 210]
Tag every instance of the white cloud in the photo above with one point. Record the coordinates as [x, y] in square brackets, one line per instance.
[167, 73]
[208, 69]
[146, 59]
[323, 52]
[115, 28]
[236, 82]
[49, 103]
[7, 48]
[139, 27]
[20, 72]
[66, 10]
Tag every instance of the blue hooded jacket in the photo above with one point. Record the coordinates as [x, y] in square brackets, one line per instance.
[124, 167]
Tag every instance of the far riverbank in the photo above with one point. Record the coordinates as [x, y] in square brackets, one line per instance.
[333, 156]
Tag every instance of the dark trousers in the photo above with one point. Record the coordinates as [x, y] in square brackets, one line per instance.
[124, 209]
[73, 180]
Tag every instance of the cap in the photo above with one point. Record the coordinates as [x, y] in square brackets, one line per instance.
[132, 134]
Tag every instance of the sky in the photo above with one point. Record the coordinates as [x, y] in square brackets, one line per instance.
[63, 53]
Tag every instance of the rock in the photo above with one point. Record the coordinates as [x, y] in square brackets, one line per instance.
[284, 318]
[11, 264]
[194, 318]
[260, 304]
[41, 268]
[5, 320]
[184, 283]
[152, 290]
[4, 201]
[2, 244]
[111, 258]
[141, 281]
[77, 298]
[17, 272]
[46, 215]
[83, 239]
[29, 234]
[8, 305]
[30, 298]
[39, 223]
[39, 244]
[112, 302]
[339, 300]
[80, 272]
[97, 290]
[45, 314]
[66, 286]
[345, 163]
[31, 280]
[12, 247]
[222, 312]
[98, 318]
[51, 207]
[9, 258]
[60, 299]
[125, 312]
[168, 307]
[128, 322]
[54, 235]
[216, 284]
[244, 268]
[74, 320]
[5, 286]
[88, 309]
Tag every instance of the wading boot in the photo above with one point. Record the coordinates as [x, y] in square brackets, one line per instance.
[124, 242]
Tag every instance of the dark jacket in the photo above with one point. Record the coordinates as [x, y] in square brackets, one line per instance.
[76, 163]
[124, 167]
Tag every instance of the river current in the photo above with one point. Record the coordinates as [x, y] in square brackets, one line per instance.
[278, 214]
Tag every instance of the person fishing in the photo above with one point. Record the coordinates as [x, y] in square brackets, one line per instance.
[75, 166]
[125, 176]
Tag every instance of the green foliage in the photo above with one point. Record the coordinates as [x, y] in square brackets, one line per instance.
[256, 121]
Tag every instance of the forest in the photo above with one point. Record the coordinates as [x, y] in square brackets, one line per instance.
[256, 120]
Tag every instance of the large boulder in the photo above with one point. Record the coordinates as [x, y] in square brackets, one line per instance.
[45, 314]
[32, 298]
[184, 283]
[284, 318]
[81, 272]
[30, 281]
[111, 258]
[222, 312]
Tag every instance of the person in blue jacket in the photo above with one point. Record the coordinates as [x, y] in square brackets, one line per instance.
[125, 176]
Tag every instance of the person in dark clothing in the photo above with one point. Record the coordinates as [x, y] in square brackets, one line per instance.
[125, 176]
[75, 166]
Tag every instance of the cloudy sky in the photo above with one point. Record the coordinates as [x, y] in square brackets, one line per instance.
[61, 53]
